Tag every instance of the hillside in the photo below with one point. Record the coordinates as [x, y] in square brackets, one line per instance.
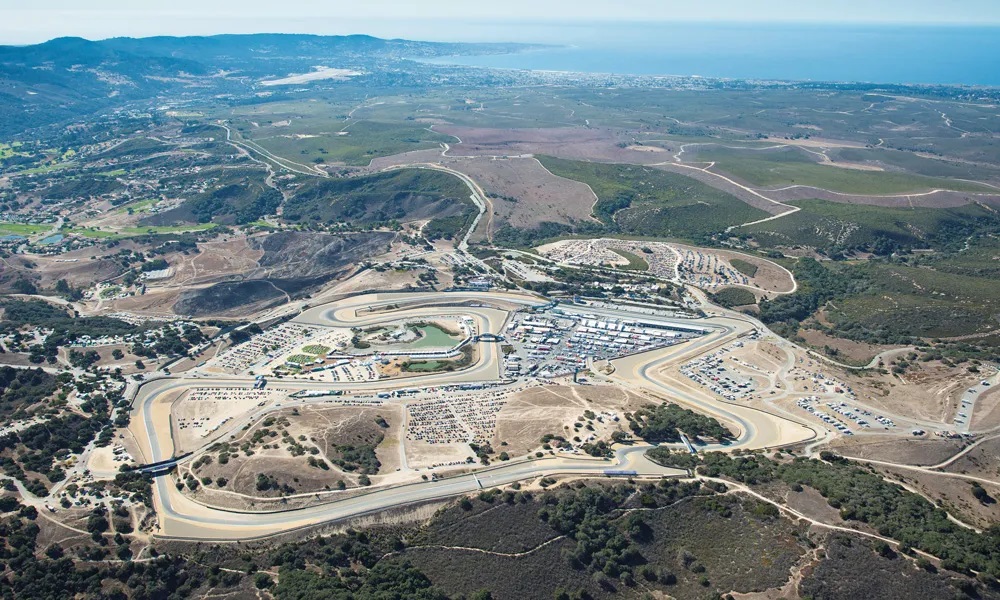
[67, 78]
[396, 196]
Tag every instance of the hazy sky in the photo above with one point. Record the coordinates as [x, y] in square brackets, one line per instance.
[29, 21]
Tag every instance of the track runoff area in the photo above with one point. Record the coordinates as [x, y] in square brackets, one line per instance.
[515, 339]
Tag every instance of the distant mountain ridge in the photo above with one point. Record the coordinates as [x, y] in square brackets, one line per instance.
[69, 77]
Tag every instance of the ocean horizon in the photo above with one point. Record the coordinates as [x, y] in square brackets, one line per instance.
[939, 55]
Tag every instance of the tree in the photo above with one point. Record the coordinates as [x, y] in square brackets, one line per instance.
[23, 286]
[981, 494]
[262, 581]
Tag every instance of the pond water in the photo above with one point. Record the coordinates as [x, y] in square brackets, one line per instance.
[52, 239]
[432, 336]
[430, 365]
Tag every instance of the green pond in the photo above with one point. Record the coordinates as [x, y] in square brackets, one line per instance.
[432, 336]
[430, 365]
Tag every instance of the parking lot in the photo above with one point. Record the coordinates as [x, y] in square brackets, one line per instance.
[559, 340]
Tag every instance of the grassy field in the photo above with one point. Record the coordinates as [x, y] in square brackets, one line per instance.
[139, 206]
[635, 262]
[9, 150]
[302, 359]
[171, 229]
[25, 229]
[47, 168]
[90, 232]
[423, 366]
[828, 225]
[920, 165]
[649, 202]
[125, 232]
[361, 143]
[318, 130]
[316, 349]
[747, 268]
[790, 166]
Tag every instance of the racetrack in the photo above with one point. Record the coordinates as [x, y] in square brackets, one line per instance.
[182, 517]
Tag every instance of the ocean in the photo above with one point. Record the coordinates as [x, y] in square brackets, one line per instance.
[965, 55]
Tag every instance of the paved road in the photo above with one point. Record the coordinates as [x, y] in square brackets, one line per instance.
[967, 409]
[757, 428]
[180, 517]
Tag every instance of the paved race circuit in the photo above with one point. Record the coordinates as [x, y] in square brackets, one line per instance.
[182, 517]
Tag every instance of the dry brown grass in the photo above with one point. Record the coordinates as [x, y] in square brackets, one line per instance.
[929, 391]
[911, 451]
[848, 351]
[953, 494]
[987, 413]
[537, 411]
[981, 461]
[214, 261]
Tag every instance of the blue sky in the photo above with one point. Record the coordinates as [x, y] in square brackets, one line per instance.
[28, 21]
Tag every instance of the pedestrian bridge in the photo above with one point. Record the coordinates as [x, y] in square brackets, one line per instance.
[489, 337]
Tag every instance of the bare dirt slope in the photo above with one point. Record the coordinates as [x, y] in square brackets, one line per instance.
[290, 263]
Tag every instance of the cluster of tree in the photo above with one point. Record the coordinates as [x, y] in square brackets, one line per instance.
[607, 545]
[733, 296]
[357, 457]
[170, 342]
[18, 536]
[65, 328]
[83, 359]
[515, 237]
[22, 388]
[64, 289]
[37, 447]
[268, 482]
[383, 580]
[139, 485]
[605, 209]
[449, 227]
[157, 264]
[665, 422]
[482, 451]
[348, 566]
[58, 576]
[600, 448]
[238, 336]
[82, 187]
[240, 203]
[817, 286]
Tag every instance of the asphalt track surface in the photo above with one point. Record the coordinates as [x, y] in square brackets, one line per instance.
[183, 518]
